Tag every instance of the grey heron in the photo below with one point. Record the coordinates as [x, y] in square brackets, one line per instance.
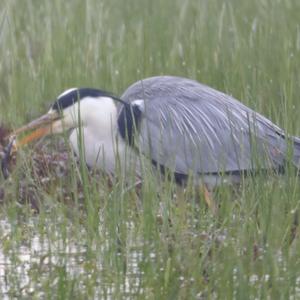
[180, 124]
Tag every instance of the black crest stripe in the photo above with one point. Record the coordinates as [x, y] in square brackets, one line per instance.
[73, 96]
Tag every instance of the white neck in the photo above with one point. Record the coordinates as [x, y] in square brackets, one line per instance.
[99, 131]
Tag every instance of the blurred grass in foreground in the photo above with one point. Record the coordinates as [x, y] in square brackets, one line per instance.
[154, 246]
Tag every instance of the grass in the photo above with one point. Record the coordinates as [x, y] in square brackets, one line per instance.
[109, 242]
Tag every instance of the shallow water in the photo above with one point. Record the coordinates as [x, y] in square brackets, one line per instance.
[26, 268]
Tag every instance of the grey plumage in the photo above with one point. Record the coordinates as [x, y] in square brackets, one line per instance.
[189, 127]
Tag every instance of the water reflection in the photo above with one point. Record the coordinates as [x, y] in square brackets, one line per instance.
[36, 265]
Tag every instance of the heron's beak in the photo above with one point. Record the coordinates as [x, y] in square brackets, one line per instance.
[40, 127]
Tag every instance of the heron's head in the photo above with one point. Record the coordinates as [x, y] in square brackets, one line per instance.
[75, 107]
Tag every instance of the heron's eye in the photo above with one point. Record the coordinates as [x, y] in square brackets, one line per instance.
[60, 113]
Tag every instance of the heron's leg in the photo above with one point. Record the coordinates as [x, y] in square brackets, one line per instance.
[209, 199]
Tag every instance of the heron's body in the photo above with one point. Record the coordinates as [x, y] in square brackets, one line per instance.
[179, 124]
[190, 127]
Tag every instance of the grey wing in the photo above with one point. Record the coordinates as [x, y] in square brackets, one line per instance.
[189, 127]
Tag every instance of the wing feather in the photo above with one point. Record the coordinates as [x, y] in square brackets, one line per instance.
[187, 126]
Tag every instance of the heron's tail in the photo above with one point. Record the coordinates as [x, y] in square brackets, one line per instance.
[296, 152]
